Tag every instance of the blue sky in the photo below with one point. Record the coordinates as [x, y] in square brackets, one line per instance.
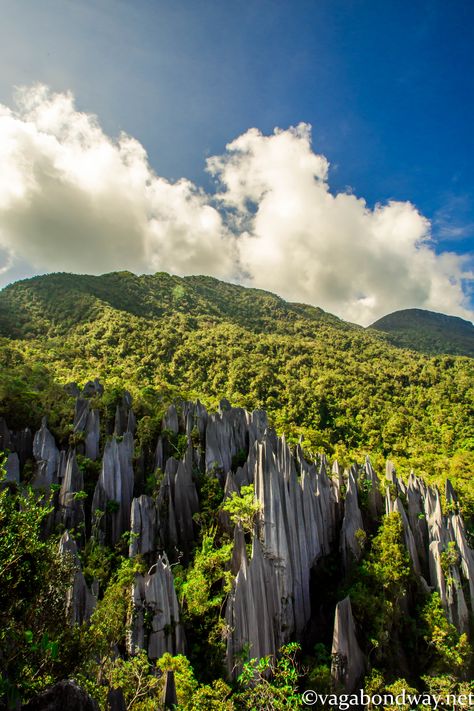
[388, 87]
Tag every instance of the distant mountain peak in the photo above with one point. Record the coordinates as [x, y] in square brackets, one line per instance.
[428, 332]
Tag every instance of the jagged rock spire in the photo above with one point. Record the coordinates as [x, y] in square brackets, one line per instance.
[348, 663]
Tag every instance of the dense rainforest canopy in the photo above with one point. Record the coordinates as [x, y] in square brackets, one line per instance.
[344, 389]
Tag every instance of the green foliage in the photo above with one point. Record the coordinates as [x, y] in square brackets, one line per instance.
[452, 653]
[243, 509]
[202, 590]
[428, 332]
[108, 623]
[98, 563]
[136, 677]
[271, 683]
[210, 498]
[381, 584]
[186, 684]
[206, 582]
[34, 579]
[153, 482]
[340, 387]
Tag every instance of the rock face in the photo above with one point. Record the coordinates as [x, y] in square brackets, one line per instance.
[155, 594]
[348, 664]
[114, 491]
[13, 468]
[80, 601]
[63, 695]
[71, 512]
[46, 455]
[306, 512]
[352, 526]
[270, 601]
[143, 526]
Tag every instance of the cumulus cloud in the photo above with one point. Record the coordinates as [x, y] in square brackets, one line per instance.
[330, 250]
[73, 199]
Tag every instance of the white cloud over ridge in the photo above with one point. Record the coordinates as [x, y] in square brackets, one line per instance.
[72, 199]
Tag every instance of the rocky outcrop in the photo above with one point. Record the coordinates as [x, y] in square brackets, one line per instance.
[143, 526]
[80, 601]
[253, 611]
[87, 421]
[170, 698]
[226, 437]
[375, 502]
[154, 595]
[125, 420]
[71, 511]
[63, 695]
[306, 512]
[46, 455]
[410, 544]
[114, 491]
[13, 468]
[449, 588]
[348, 663]
[352, 527]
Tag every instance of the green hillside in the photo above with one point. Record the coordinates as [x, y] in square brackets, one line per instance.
[428, 332]
[343, 388]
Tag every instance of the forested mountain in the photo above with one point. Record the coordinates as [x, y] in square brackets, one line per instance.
[339, 386]
[428, 332]
[171, 495]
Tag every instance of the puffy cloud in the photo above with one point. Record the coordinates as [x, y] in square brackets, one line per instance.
[73, 199]
[331, 250]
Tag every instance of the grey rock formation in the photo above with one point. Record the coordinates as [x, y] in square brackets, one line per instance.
[114, 490]
[375, 497]
[46, 455]
[143, 526]
[170, 420]
[253, 610]
[348, 663]
[22, 443]
[87, 420]
[410, 543]
[116, 700]
[230, 489]
[239, 550]
[186, 502]
[5, 436]
[65, 695]
[352, 524]
[170, 698]
[124, 416]
[154, 593]
[450, 590]
[72, 389]
[80, 601]
[13, 468]
[226, 437]
[417, 518]
[466, 554]
[71, 512]
[92, 388]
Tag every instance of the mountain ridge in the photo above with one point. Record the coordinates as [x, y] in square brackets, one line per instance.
[428, 331]
[144, 296]
[81, 296]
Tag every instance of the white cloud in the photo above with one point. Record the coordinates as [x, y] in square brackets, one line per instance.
[73, 199]
[309, 245]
